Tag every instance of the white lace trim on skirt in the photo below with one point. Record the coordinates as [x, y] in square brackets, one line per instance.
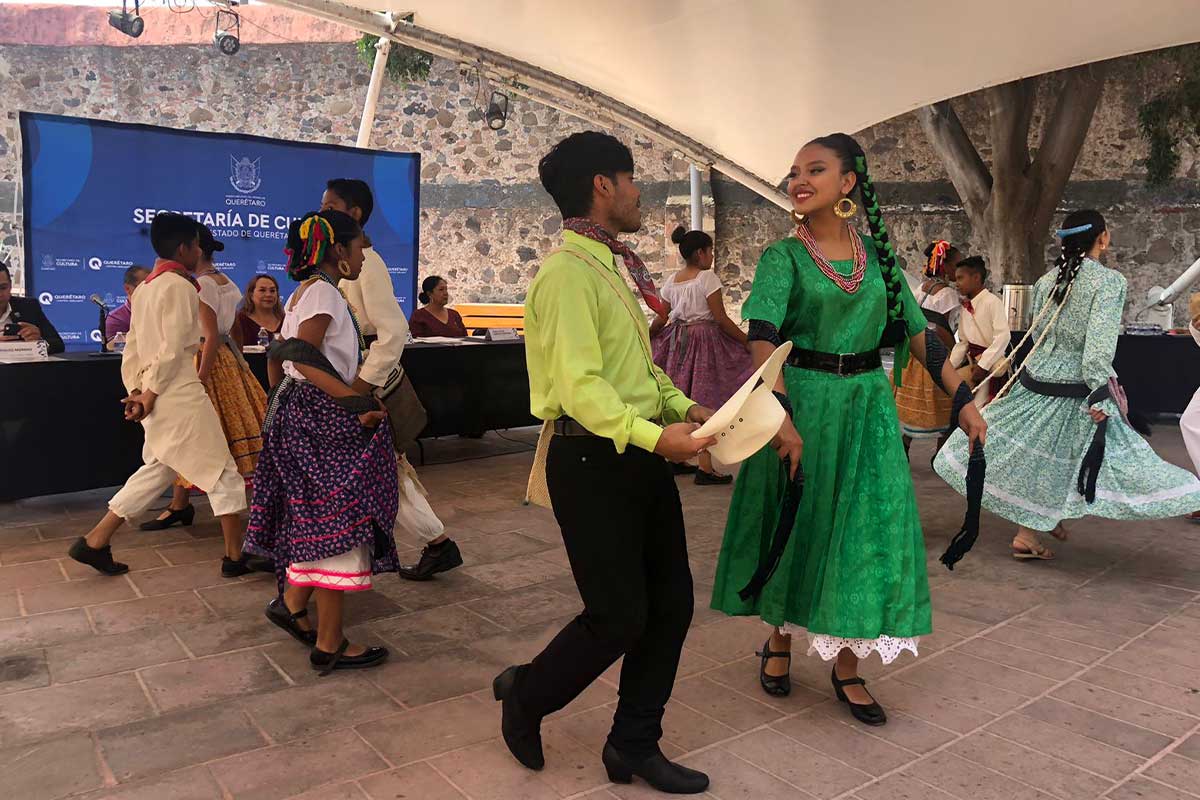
[827, 647]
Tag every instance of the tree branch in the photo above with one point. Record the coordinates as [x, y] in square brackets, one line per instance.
[967, 171]
[1063, 133]
[1010, 111]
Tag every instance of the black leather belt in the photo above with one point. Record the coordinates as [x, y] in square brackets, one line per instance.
[565, 426]
[1053, 389]
[843, 364]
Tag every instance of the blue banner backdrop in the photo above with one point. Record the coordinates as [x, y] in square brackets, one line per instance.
[92, 188]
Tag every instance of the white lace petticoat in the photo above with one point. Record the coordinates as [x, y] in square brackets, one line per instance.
[827, 647]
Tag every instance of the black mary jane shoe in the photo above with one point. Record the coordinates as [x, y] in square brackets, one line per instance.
[665, 776]
[98, 558]
[774, 685]
[277, 611]
[522, 736]
[184, 516]
[870, 713]
[326, 663]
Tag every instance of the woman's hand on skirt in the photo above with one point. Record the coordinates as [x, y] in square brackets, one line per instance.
[788, 444]
[972, 424]
[371, 419]
[1097, 415]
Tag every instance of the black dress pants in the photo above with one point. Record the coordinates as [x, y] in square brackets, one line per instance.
[622, 525]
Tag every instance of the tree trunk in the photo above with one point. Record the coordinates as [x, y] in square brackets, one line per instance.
[1011, 206]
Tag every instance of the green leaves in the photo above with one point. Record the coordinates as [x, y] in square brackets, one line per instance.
[404, 64]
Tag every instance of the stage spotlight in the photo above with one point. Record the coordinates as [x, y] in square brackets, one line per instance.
[497, 111]
[227, 36]
[129, 24]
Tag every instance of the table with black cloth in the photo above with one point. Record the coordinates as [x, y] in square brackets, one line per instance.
[1159, 373]
[62, 430]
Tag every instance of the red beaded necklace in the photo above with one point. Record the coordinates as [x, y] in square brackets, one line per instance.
[847, 283]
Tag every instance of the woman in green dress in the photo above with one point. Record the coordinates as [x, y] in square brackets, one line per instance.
[1060, 446]
[852, 575]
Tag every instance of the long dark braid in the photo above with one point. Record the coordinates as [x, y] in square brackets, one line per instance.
[1074, 248]
[854, 160]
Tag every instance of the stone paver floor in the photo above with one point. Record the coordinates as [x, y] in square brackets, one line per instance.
[1073, 679]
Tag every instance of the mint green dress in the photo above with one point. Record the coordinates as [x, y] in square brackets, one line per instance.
[853, 574]
[1035, 444]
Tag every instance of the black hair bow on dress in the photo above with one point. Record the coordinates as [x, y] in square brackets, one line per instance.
[789, 506]
[962, 542]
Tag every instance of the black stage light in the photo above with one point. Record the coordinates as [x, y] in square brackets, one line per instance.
[129, 24]
[497, 112]
[227, 37]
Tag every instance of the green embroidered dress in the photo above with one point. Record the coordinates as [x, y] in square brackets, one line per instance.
[853, 573]
[1035, 444]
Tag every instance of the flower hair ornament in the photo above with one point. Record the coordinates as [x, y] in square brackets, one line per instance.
[937, 259]
[317, 235]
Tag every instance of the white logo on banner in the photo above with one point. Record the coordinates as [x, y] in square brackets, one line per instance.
[95, 263]
[96, 337]
[244, 174]
[45, 298]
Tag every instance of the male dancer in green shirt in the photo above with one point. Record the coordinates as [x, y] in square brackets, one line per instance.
[614, 496]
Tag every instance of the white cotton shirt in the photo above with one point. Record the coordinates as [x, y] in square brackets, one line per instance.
[689, 300]
[373, 299]
[340, 344]
[223, 300]
[947, 301]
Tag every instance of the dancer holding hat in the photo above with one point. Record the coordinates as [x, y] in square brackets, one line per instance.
[616, 421]
[852, 574]
[1062, 447]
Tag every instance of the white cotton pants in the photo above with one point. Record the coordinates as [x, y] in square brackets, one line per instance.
[1189, 425]
[146, 485]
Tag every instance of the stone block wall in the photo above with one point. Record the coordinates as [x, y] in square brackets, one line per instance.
[485, 221]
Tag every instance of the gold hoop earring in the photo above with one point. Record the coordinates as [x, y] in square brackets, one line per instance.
[344, 268]
[797, 218]
[845, 208]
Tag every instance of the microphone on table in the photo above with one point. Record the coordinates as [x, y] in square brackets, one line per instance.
[95, 298]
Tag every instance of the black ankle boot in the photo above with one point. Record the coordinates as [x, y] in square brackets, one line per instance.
[663, 775]
[522, 735]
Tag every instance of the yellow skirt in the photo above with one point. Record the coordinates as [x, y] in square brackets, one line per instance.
[923, 408]
[241, 405]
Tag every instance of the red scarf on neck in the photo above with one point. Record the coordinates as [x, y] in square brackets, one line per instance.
[635, 266]
[163, 266]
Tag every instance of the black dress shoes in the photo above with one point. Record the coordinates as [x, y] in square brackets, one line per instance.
[867, 713]
[99, 559]
[663, 775]
[522, 735]
[234, 569]
[435, 558]
[326, 663]
[710, 479]
[184, 516]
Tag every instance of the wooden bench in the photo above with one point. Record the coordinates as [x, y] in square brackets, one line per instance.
[478, 316]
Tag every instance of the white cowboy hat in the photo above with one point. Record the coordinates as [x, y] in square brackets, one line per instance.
[750, 418]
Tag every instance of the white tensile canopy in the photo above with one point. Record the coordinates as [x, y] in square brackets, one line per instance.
[740, 85]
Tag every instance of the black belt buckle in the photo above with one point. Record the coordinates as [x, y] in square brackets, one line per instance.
[841, 365]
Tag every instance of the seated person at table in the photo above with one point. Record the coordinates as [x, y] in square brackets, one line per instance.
[260, 309]
[433, 318]
[183, 435]
[118, 319]
[22, 318]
